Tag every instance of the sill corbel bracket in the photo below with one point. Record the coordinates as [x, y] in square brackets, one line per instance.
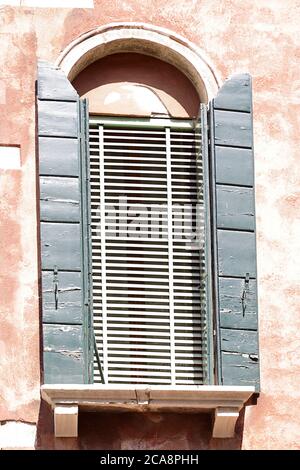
[225, 421]
[66, 420]
[224, 401]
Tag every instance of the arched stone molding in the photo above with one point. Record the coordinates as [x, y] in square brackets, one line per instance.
[144, 39]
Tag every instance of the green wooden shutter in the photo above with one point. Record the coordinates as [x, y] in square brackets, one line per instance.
[233, 233]
[62, 175]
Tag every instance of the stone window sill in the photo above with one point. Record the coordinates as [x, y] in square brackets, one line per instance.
[224, 402]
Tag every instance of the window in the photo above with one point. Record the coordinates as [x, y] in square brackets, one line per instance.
[147, 360]
[230, 256]
[147, 251]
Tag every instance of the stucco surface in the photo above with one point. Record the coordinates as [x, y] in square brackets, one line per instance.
[258, 36]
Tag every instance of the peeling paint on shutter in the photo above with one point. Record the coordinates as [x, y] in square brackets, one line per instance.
[61, 233]
[233, 222]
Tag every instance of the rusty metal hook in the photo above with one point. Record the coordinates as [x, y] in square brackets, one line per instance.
[55, 287]
[245, 292]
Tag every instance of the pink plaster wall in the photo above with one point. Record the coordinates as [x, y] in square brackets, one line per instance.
[258, 36]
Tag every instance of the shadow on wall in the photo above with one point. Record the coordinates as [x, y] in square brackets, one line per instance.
[136, 431]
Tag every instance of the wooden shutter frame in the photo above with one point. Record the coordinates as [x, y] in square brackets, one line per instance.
[235, 100]
[86, 258]
[63, 186]
[209, 283]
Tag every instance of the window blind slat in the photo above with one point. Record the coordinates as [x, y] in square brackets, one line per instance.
[147, 300]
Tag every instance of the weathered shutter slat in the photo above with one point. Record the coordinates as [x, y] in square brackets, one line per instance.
[61, 338]
[233, 232]
[58, 156]
[58, 118]
[239, 341]
[236, 253]
[69, 307]
[231, 309]
[63, 367]
[61, 246]
[62, 239]
[52, 84]
[234, 166]
[234, 94]
[233, 129]
[59, 199]
[240, 369]
[235, 207]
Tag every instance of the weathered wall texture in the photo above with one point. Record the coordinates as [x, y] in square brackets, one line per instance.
[258, 36]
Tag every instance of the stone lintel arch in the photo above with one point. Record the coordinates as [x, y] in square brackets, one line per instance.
[145, 39]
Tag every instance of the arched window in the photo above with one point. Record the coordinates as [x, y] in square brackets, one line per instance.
[146, 222]
[147, 217]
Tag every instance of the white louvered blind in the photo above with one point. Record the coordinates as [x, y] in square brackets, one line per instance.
[147, 265]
